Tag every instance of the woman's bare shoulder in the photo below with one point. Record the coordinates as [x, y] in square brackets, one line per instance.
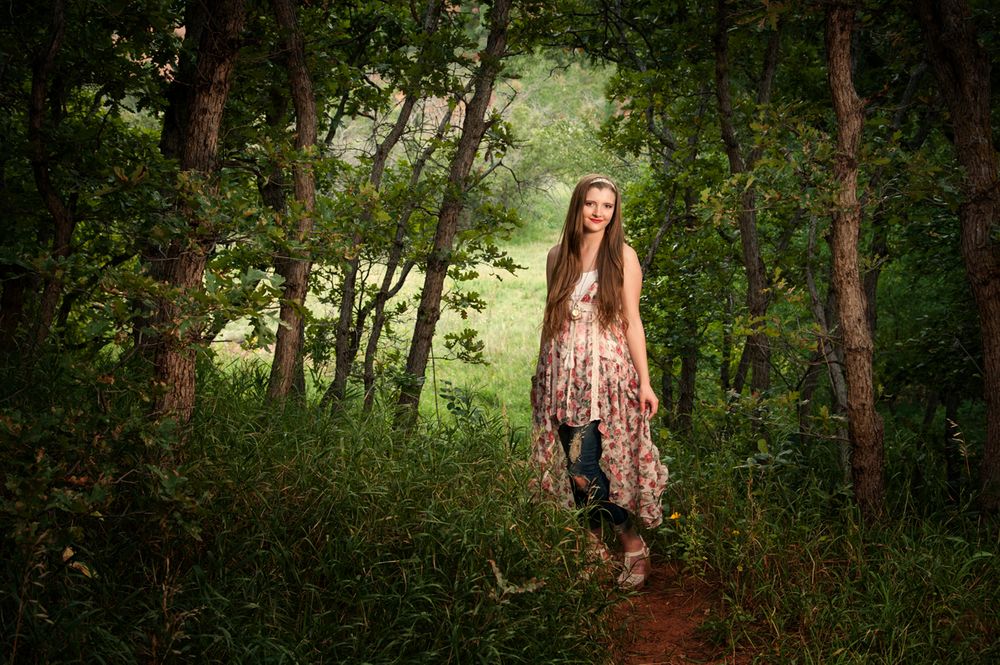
[629, 255]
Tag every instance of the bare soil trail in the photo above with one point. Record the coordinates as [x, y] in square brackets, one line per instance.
[666, 617]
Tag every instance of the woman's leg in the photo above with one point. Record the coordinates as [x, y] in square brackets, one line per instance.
[591, 490]
[591, 487]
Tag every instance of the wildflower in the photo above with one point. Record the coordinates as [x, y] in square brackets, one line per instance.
[675, 516]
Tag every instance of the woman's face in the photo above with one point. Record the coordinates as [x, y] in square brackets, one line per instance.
[598, 209]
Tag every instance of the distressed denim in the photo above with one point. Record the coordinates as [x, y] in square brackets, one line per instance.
[582, 446]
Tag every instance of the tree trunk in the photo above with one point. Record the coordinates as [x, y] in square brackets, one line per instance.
[175, 117]
[184, 264]
[473, 128]
[348, 333]
[155, 254]
[349, 330]
[863, 422]
[63, 219]
[962, 69]
[758, 344]
[388, 289]
[295, 269]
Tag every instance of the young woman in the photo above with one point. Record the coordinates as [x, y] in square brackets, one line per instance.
[591, 397]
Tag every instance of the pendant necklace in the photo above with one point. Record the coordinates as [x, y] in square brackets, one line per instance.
[574, 310]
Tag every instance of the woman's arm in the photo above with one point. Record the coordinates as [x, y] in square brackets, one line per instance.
[635, 335]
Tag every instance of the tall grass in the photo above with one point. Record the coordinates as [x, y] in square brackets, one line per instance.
[293, 535]
[805, 581]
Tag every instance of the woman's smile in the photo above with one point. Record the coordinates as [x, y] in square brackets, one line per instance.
[598, 208]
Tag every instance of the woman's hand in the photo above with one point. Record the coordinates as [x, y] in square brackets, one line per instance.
[648, 404]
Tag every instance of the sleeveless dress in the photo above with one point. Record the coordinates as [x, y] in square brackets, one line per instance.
[585, 373]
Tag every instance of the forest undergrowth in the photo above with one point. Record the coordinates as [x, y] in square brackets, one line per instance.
[356, 171]
[280, 536]
[803, 579]
[304, 536]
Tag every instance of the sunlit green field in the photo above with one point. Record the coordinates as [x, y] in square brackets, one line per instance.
[509, 326]
[562, 108]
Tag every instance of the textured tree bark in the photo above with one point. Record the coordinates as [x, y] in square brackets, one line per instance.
[295, 269]
[175, 117]
[155, 253]
[864, 424]
[473, 128]
[962, 69]
[183, 267]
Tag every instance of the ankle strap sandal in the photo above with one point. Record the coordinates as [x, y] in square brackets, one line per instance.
[636, 569]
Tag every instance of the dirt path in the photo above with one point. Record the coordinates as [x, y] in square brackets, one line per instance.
[666, 617]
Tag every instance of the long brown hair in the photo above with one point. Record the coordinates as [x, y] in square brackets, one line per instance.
[609, 262]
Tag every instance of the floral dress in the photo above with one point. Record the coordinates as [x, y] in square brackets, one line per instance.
[586, 373]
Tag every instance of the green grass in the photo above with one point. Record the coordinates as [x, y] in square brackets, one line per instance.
[292, 535]
[805, 581]
[380, 548]
[509, 328]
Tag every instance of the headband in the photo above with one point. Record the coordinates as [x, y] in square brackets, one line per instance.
[604, 180]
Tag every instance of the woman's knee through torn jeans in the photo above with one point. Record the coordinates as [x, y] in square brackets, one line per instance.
[582, 446]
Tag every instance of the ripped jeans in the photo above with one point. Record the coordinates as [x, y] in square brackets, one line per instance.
[582, 446]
